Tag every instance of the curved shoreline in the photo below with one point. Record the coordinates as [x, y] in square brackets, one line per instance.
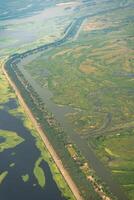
[45, 140]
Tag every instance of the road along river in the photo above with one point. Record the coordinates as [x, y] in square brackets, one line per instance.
[23, 158]
[60, 112]
[46, 142]
[83, 146]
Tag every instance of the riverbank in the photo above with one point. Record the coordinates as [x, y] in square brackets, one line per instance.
[14, 120]
[49, 147]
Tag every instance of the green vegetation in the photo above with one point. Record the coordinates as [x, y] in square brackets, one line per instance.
[3, 176]
[55, 172]
[5, 90]
[45, 155]
[94, 75]
[53, 131]
[25, 178]
[11, 140]
[116, 151]
[12, 165]
[13, 154]
[39, 173]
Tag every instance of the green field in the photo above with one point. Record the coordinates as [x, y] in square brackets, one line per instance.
[94, 74]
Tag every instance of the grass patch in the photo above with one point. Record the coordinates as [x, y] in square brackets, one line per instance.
[39, 173]
[3, 176]
[25, 178]
[116, 151]
[12, 165]
[11, 140]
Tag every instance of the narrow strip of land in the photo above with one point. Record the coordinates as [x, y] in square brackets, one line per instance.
[49, 147]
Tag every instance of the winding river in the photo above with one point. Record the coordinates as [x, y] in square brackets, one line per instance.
[60, 112]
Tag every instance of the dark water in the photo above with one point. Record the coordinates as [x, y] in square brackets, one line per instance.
[2, 139]
[11, 104]
[24, 156]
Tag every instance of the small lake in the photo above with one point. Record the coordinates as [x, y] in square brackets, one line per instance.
[24, 157]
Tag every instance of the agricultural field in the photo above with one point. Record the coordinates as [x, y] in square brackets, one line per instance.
[93, 74]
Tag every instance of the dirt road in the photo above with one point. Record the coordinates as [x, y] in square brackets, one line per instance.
[49, 147]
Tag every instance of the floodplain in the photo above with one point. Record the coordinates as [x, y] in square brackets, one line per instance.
[93, 75]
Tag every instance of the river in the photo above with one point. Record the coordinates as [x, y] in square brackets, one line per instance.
[60, 112]
[82, 144]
